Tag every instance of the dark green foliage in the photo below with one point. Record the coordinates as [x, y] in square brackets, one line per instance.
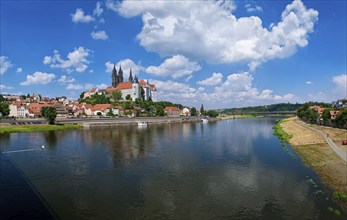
[193, 111]
[117, 95]
[49, 113]
[110, 113]
[326, 114]
[212, 113]
[96, 99]
[82, 95]
[273, 108]
[202, 110]
[341, 118]
[2, 99]
[4, 109]
[128, 105]
[340, 196]
[128, 97]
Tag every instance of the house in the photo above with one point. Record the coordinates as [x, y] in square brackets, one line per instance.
[334, 114]
[18, 110]
[186, 112]
[172, 111]
[318, 108]
[35, 108]
[341, 103]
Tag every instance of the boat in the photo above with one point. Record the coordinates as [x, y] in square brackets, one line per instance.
[204, 120]
[141, 124]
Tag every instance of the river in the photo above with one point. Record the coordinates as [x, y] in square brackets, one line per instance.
[232, 169]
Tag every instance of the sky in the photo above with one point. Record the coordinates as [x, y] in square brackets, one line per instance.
[221, 54]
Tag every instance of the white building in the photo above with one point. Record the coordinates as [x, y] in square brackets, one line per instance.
[18, 111]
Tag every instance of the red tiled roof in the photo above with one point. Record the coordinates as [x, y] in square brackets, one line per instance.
[319, 109]
[93, 90]
[171, 108]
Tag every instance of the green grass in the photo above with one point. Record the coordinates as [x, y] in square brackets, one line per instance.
[280, 133]
[31, 128]
[340, 196]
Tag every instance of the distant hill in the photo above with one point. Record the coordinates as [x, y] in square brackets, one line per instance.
[270, 108]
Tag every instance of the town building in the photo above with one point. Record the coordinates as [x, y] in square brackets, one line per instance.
[172, 111]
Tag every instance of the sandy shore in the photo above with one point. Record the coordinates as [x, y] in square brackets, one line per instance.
[316, 153]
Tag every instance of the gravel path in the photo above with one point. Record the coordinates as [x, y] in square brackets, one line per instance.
[337, 150]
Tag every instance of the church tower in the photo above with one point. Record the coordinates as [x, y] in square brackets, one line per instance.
[120, 74]
[131, 77]
[114, 76]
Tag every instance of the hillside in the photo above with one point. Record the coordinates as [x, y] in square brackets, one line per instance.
[270, 108]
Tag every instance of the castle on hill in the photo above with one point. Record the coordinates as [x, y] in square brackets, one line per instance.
[132, 87]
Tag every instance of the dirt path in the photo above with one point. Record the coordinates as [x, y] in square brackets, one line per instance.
[337, 150]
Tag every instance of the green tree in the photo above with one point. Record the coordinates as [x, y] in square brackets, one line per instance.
[313, 115]
[28, 96]
[212, 113]
[142, 93]
[82, 95]
[4, 109]
[341, 118]
[128, 105]
[98, 113]
[2, 98]
[49, 113]
[128, 97]
[326, 114]
[110, 113]
[193, 111]
[160, 111]
[117, 95]
[202, 110]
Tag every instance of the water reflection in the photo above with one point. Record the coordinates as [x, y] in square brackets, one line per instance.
[224, 170]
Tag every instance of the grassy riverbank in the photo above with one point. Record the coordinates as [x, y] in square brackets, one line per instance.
[30, 128]
[317, 154]
[280, 133]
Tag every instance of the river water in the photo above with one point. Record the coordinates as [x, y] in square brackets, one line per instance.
[233, 169]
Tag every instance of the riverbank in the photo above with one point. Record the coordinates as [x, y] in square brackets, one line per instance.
[316, 153]
[63, 124]
[31, 128]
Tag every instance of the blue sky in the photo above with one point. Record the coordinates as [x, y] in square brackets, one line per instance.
[217, 53]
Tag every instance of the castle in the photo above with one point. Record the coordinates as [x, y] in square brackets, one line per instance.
[134, 87]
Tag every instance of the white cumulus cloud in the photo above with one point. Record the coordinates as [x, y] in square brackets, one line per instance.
[5, 87]
[176, 66]
[309, 82]
[207, 30]
[19, 70]
[253, 8]
[64, 79]
[79, 16]
[340, 82]
[102, 86]
[5, 64]
[38, 78]
[98, 9]
[99, 35]
[77, 60]
[214, 80]
[79, 86]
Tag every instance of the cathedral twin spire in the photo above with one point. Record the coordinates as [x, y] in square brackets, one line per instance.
[118, 77]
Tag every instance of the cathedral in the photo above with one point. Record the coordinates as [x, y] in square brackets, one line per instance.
[132, 87]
